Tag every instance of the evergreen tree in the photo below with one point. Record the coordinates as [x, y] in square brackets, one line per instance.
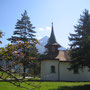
[25, 36]
[80, 46]
[24, 30]
[1, 36]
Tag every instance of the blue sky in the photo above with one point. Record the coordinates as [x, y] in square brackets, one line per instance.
[63, 13]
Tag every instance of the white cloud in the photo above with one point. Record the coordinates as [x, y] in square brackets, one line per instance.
[39, 38]
[48, 28]
[41, 29]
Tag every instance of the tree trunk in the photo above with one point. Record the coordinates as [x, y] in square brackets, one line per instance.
[24, 71]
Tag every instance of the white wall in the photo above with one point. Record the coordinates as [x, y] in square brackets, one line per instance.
[67, 75]
[46, 70]
[63, 72]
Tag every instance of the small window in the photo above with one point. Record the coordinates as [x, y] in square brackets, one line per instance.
[52, 69]
[76, 71]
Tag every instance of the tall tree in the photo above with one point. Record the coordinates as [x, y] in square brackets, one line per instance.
[25, 36]
[80, 42]
[24, 30]
[11, 55]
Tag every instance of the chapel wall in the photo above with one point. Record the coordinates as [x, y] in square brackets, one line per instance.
[46, 73]
[66, 75]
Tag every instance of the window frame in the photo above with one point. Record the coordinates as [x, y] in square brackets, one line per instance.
[52, 68]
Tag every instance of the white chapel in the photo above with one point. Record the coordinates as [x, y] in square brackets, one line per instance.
[54, 66]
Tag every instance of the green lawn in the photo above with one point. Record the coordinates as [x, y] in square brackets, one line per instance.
[49, 86]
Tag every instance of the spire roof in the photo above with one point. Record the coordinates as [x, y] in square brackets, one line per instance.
[52, 39]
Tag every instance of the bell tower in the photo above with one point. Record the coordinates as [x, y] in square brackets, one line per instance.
[52, 45]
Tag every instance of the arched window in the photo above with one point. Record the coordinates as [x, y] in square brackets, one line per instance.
[52, 69]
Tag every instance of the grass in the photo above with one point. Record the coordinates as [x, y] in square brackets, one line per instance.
[49, 86]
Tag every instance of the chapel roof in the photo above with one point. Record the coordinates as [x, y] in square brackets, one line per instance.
[63, 55]
[52, 39]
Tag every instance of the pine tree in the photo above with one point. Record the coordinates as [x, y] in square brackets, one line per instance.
[24, 30]
[80, 46]
[25, 36]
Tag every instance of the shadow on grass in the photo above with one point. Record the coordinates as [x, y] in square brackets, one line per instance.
[85, 87]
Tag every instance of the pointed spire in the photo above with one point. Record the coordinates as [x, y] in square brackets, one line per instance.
[52, 39]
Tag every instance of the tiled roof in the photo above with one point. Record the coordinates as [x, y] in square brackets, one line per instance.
[63, 55]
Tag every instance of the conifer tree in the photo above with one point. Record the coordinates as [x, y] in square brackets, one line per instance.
[80, 42]
[25, 36]
[24, 30]
[1, 36]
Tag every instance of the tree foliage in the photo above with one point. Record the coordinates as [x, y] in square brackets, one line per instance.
[15, 58]
[25, 36]
[1, 36]
[24, 30]
[80, 42]
[11, 65]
